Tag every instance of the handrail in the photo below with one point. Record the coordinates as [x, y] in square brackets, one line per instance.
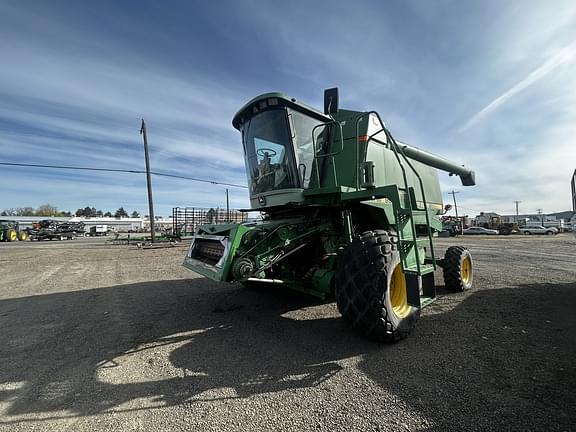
[423, 199]
[334, 153]
[396, 151]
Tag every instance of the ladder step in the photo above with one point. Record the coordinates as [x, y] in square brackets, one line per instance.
[409, 212]
[419, 213]
[424, 269]
[426, 301]
[420, 241]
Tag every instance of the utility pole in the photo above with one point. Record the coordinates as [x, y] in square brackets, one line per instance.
[453, 193]
[148, 182]
[516, 202]
[541, 217]
[227, 207]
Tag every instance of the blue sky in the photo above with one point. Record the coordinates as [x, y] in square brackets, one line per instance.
[489, 84]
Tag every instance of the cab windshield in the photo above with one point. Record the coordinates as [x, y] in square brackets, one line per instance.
[268, 152]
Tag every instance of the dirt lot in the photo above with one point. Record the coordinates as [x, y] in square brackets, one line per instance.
[100, 338]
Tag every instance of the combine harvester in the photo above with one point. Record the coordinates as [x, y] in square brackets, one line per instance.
[348, 211]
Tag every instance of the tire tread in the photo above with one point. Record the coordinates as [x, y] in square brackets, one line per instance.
[453, 268]
[361, 283]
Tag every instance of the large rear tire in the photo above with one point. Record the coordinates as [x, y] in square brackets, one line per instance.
[458, 269]
[371, 290]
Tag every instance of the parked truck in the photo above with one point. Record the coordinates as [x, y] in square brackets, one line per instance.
[496, 222]
[348, 211]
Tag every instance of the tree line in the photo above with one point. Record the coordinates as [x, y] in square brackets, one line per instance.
[92, 212]
[48, 210]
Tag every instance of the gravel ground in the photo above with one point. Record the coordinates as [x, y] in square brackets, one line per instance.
[102, 338]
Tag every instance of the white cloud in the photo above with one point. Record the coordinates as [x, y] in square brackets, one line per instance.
[86, 110]
[79, 93]
[565, 55]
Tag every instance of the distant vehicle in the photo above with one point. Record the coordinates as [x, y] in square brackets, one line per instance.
[503, 228]
[53, 230]
[98, 230]
[452, 228]
[538, 229]
[10, 231]
[480, 230]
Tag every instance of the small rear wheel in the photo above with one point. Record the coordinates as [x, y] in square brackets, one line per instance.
[371, 290]
[458, 269]
[549, 232]
[11, 235]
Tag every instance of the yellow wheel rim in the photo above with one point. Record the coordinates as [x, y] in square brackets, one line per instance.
[466, 270]
[398, 292]
[13, 235]
[23, 236]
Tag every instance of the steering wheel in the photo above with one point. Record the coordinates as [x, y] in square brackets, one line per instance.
[261, 151]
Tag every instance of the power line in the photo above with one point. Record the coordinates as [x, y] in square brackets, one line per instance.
[468, 208]
[81, 168]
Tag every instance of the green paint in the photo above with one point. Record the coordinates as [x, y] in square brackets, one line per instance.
[321, 180]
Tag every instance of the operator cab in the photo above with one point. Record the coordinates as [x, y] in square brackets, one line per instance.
[279, 149]
[268, 152]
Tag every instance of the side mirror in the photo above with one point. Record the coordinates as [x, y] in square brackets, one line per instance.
[447, 208]
[331, 100]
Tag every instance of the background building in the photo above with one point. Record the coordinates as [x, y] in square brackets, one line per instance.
[114, 224]
[573, 184]
[186, 219]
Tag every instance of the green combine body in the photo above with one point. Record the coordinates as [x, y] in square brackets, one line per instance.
[348, 211]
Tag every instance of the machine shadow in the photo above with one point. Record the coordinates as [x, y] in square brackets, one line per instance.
[505, 351]
[502, 359]
[58, 350]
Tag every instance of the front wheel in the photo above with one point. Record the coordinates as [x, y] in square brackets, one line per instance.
[371, 290]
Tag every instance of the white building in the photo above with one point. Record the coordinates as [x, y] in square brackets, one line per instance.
[115, 224]
[573, 190]
[561, 220]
